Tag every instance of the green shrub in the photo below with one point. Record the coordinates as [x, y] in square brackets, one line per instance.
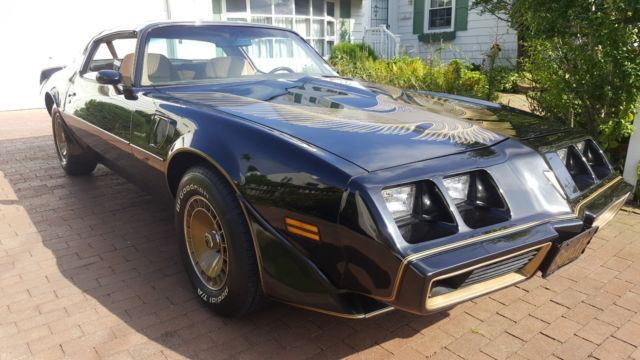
[505, 79]
[345, 55]
[410, 73]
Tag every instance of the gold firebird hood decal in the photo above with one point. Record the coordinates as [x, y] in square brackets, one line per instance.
[386, 117]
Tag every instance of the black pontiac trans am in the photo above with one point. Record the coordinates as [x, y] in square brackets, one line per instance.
[349, 198]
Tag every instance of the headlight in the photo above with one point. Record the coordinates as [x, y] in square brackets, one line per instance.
[595, 159]
[400, 200]
[420, 211]
[457, 187]
[578, 168]
[477, 199]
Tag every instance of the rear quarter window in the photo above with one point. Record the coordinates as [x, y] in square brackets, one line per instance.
[104, 59]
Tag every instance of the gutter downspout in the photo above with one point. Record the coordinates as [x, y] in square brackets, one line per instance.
[633, 153]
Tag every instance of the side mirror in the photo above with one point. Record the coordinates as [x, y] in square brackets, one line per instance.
[108, 77]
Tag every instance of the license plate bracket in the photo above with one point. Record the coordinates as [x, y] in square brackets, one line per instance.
[567, 252]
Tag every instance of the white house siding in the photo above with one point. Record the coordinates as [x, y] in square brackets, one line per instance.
[360, 15]
[633, 153]
[470, 45]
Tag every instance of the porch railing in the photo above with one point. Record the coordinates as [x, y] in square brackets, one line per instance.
[384, 43]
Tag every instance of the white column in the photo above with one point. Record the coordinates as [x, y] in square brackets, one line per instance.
[633, 153]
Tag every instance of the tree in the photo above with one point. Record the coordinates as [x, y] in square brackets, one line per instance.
[583, 57]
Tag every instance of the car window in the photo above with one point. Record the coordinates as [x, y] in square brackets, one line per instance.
[218, 53]
[105, 58]
[269, 53]
[184, 49]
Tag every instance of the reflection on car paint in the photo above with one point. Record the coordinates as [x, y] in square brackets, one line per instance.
[393, 120]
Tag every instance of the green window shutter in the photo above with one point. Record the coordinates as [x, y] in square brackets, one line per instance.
[345, 9]
[418, 16]
[217, 9]
[462, 15]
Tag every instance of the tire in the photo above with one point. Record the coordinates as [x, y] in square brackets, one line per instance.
[216, 245]
[73, 159]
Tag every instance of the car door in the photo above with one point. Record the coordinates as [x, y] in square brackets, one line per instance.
[154, 125]
[153, 133]
[99, 114]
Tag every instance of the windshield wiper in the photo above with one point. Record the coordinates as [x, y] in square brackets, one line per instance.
[336, 77]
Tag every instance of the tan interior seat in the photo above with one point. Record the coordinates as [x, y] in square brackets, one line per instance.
[186, 75]
[157, 69]
[126, 70]
[228, 66]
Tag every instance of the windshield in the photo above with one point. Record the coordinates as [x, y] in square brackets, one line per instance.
[215, 53]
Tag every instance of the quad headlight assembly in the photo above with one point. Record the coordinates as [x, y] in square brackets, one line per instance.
[422, 213]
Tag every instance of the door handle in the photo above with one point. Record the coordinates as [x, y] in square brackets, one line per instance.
[71, 94]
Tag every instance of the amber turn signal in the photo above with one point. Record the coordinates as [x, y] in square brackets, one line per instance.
[303, 229]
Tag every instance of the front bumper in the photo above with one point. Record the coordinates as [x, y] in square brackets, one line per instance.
[436, 279]
[603, 204]
[425, 287]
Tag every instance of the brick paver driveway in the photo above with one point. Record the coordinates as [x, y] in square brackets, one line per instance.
[89, 269]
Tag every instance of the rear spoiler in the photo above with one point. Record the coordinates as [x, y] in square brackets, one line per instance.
[46, 73]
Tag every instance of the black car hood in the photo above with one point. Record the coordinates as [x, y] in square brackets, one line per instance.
[374, 126]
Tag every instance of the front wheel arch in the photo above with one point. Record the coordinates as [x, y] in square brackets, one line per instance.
[182, 161]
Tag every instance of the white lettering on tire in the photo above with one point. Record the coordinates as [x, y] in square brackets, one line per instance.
[213, 299]
[187, 189]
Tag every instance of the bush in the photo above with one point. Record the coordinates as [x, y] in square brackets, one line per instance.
[345, 55]
[504, 79]
[358, 61]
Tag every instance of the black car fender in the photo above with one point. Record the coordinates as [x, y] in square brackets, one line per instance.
[241, 152]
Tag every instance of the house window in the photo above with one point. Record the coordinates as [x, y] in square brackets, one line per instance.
[302, 7]
[314, 20]
[236, 6]
[440, 16]
[379, 12]
[261, 6]
[318, 7]
[283, 7]
[331, 9]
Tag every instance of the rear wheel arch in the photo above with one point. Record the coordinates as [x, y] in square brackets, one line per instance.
[74, 159]
[49, 102]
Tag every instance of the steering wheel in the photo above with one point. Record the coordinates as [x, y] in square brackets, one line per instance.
[281, 68]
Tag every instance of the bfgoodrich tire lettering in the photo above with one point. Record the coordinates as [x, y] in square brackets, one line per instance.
[216, 245]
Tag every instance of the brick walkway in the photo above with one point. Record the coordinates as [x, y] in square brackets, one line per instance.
[89, 269]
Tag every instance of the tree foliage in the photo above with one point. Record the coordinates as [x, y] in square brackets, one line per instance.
[583, 57]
